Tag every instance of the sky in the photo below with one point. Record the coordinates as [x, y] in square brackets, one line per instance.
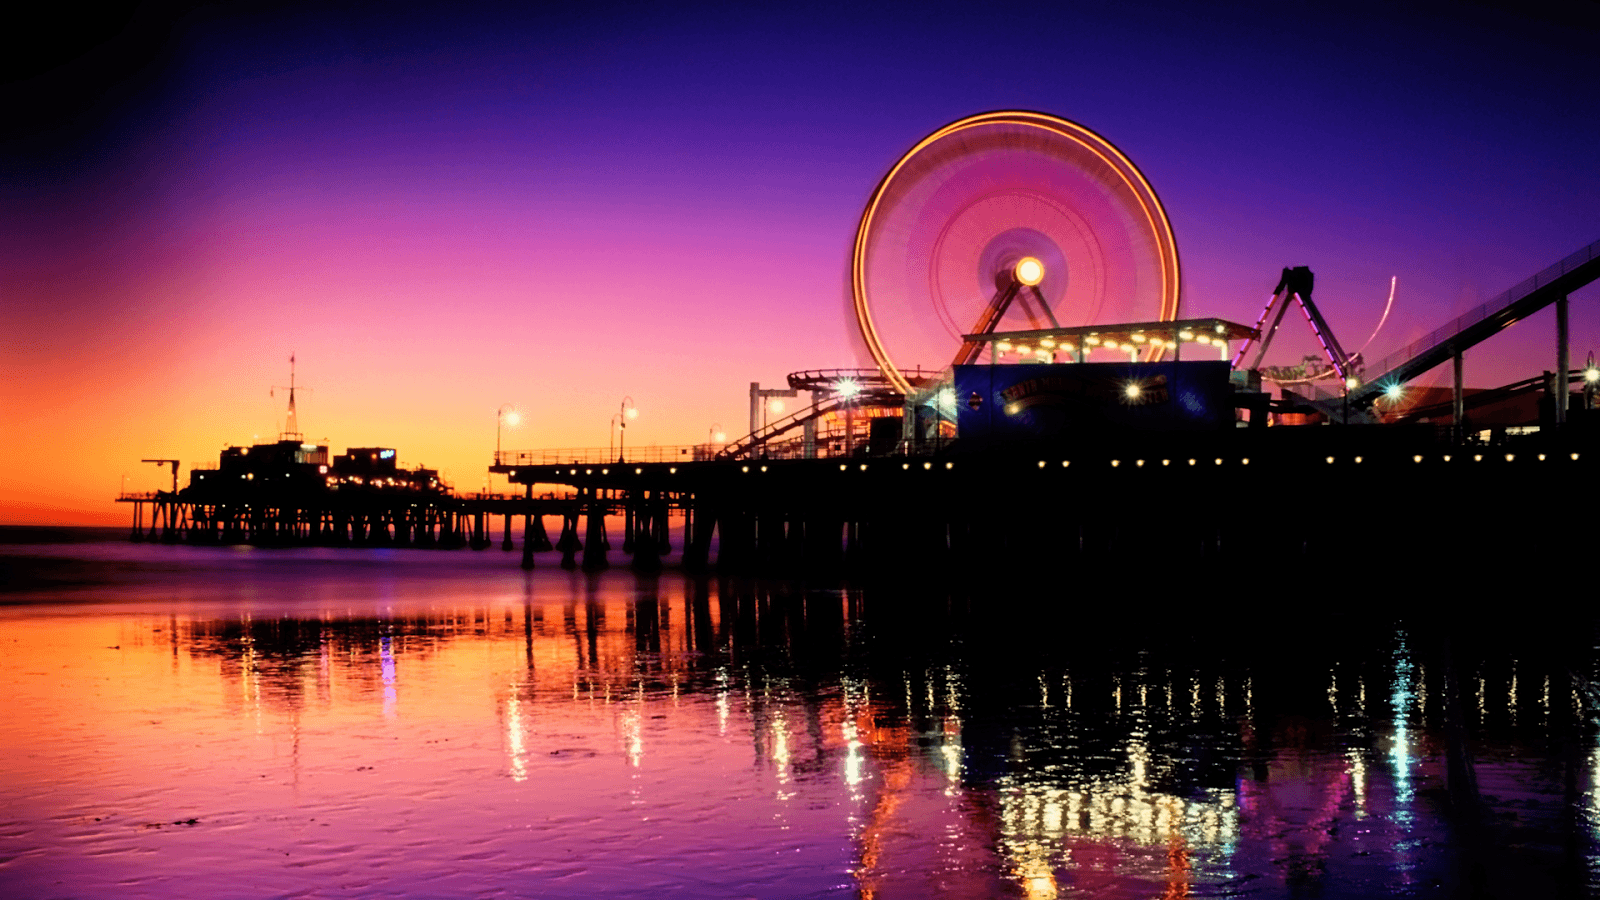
[442, 209]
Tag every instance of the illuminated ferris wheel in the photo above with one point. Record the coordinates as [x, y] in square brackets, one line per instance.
[1007, 221]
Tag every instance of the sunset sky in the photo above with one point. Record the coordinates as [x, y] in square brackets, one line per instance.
[442, 209]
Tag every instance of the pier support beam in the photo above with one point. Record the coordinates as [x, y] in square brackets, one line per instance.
[594, 549]
[1563, 361]
[1458, 403]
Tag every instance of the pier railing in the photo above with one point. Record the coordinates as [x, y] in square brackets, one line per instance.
[606, 455]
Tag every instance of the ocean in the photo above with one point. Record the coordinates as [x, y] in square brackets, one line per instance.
[213, 722]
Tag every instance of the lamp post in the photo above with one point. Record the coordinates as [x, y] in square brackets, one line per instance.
[506, 414]
[619, 423]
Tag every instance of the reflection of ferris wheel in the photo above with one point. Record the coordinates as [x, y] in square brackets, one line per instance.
[1007, 221]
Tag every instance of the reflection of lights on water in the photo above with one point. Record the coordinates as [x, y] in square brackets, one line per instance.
[1358, 781]
[780, 747]
[390, 685]
[722, 702]
[1038, 880]
[514, 744]
[1594, 792]
[853, 759]
[855, 701]
[781, 755]
[1400, 755]
[1511, 705]
[632, 735]
[951, 751]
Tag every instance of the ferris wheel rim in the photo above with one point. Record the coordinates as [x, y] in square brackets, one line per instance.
[1149, 205]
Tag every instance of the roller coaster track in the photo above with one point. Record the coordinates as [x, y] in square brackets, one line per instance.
[1475, 326]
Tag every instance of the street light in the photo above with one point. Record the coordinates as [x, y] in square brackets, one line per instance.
[619, 423]
[506, 415]
[717, 435]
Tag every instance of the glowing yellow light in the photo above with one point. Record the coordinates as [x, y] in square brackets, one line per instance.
[1166, 462]
[1115, 463]
[1012, 409]
[1068, 347]
[1574, 457]
[1029, 271]
[1024, 349]
[1092, 341]
[1138, 338]
[775, 404]
[1541, 457]
[1477, 457]
[1417, 458]
[744, 468]
[1132, 390]
[1219, 328]
[1330, 460]
[513, 418]
[1219, 461]
[1065, 463]
[1191, 462]
[1358, 459]
[927, 465]
[1352, 382]
[949, 465]
[1591, 375]
[1047, 343]
[1203, 339]
[1041, 463]
[1245, 461]
[1510, 457]
[1446, 457]
[1139, 463]
[1186, 334]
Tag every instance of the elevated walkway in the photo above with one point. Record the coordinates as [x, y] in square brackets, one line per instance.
[1519, 302]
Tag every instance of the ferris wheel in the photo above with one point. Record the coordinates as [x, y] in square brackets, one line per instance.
[1007, 221]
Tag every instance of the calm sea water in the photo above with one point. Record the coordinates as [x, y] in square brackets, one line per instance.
[234, 722]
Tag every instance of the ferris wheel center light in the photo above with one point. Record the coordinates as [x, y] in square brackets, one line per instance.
[1029, 271]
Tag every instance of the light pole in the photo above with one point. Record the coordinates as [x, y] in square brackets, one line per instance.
[506, 414]
[619, 423]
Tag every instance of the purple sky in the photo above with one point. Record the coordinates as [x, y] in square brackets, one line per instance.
[440, 210]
